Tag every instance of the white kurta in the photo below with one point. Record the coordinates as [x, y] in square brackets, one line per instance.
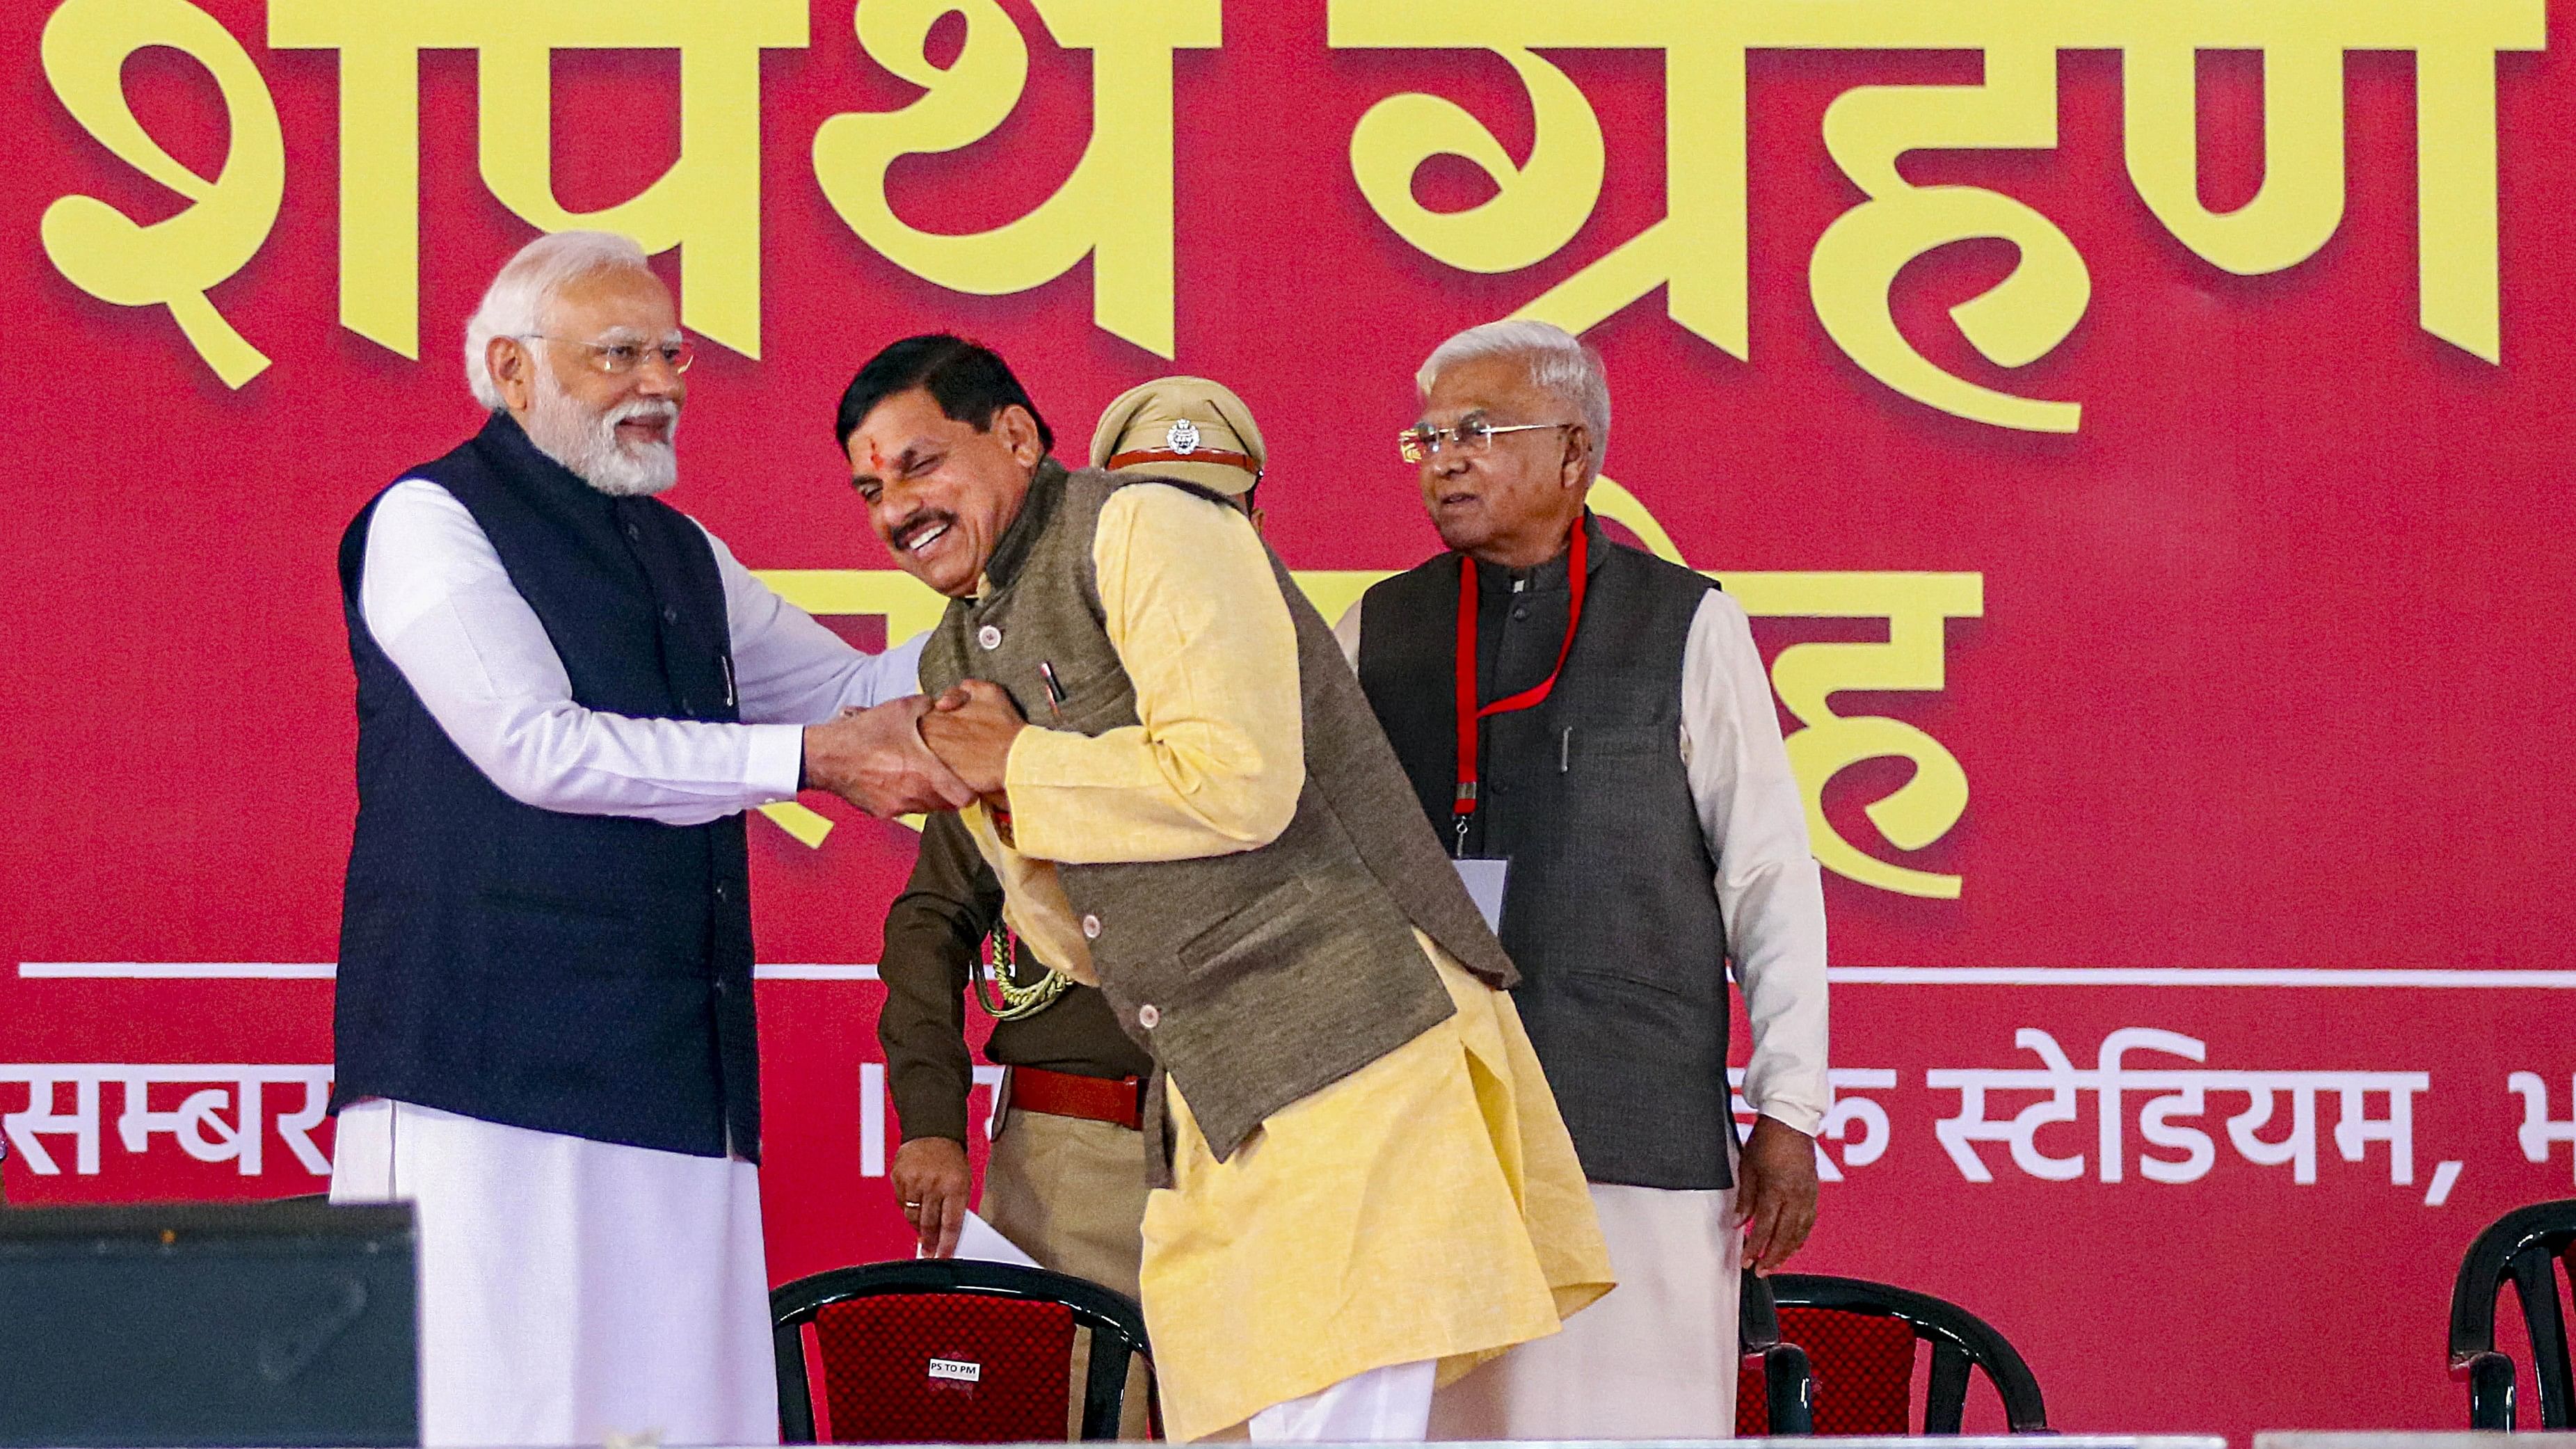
[573, 1289]
[1656, 1358]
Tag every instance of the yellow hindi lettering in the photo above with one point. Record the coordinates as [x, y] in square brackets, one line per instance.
[1917, 608]
[1853, 270]
[1535, 208]
[1116, 207]
[2301, 200]
[707, 202]
[1696, 252]
[2455, 187]
[170, 263]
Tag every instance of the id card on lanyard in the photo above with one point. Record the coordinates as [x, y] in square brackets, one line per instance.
[1487, 877]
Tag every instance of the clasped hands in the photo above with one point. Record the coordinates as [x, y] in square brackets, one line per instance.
[918, 754]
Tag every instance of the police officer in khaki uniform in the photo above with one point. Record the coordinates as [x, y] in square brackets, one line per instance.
[1065, 1181]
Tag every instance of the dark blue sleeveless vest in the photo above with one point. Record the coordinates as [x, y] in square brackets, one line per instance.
[1612, 913]
[588, 975]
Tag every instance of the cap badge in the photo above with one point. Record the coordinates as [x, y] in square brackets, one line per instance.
[1184, 436]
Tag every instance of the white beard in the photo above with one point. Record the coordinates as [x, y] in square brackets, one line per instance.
[587, 444]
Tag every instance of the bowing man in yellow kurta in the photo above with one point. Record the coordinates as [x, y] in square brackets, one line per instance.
[1395, 1226]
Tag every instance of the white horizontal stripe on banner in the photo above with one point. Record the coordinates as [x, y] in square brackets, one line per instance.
[814, 972]
[2402, 976]
[325, 970]
[2407, 977]
[177, 970]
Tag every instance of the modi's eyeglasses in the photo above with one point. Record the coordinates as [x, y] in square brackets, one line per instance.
[619, 358]
[1422, 441]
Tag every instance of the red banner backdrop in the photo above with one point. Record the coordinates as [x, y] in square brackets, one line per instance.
[2136, 427]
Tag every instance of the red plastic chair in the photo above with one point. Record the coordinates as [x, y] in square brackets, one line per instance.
[1853, 1343]
[948, 1352]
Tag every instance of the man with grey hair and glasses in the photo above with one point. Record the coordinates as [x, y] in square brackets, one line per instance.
[1591, 732]
[568, 693]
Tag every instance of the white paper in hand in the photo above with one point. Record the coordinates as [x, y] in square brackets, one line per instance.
[1485, 880]
[981, 1241]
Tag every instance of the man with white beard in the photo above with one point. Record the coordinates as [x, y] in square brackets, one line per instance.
[568, 692]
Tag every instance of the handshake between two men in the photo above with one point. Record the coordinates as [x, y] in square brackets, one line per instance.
[917, 755]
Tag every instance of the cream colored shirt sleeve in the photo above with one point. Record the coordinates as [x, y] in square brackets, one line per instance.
[1217, 762]
[1768, 886]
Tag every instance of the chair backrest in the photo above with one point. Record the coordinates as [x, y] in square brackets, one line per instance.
[949, 1350]
[2527, 1246]
[1858, 1343]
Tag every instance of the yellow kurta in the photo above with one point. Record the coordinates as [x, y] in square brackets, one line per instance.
[1429, 1206]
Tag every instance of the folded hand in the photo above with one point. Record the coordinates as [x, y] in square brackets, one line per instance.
[971, 729]
[875, 759]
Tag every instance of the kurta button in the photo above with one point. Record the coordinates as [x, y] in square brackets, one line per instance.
[633, 532]
[1091, 928]
[670, 616]
[989, 637]
[1149, 1016]
[1520, 613]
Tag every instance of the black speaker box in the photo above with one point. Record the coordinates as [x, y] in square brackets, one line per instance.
[291, 1323]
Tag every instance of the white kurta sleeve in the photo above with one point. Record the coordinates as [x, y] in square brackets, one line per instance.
[789, 669]
[437, 600]
[1768, 886]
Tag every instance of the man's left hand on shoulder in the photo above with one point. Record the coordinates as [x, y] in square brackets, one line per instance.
[971, 729]
[1775, 1192]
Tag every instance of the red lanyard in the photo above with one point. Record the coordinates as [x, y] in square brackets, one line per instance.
[1469, 715]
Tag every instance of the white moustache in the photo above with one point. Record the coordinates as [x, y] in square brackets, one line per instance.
[644, 410]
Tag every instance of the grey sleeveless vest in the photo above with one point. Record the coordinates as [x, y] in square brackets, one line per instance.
[1272, 972]
[1612, 913]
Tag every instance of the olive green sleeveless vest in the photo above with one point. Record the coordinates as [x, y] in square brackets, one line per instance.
[1265, 974]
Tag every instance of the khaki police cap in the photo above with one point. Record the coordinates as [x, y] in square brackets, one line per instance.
[1181, 427]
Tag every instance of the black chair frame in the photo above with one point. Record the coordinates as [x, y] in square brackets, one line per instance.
[2525, 1246]
[1117, 1328]
[1788, 1379]
[1960, 1340]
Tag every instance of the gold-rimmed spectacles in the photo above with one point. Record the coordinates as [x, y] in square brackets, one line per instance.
[617, 358]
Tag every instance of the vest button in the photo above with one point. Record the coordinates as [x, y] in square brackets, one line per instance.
[989, 637]
[1149, 1016]
[633, 532]
[1091, 928]
[1521, 613]
[670, 616]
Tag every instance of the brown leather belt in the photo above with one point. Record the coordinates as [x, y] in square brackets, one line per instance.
[1093, 1099]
